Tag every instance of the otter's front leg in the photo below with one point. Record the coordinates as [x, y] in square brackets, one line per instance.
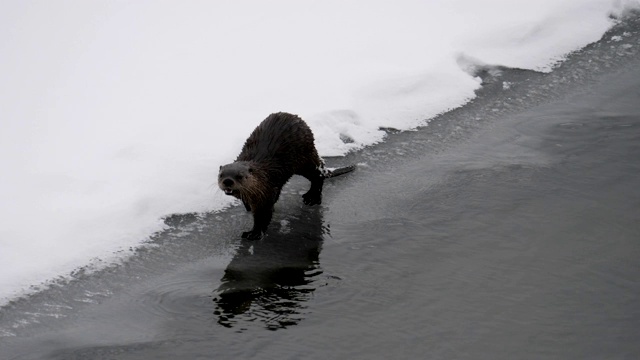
[261, 219]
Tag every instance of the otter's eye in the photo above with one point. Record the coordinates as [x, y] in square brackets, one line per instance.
[250, 170]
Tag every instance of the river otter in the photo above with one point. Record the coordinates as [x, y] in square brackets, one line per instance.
[281, 146]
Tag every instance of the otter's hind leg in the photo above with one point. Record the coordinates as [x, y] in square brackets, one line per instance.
[314, 195]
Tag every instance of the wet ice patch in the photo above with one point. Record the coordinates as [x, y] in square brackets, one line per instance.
[285, 227]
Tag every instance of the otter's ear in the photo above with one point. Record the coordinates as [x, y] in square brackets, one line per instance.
[220, 167]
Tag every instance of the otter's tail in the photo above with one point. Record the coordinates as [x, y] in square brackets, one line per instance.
[329, 173]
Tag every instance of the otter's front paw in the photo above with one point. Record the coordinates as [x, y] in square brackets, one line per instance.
[312, 199]
[252, 235]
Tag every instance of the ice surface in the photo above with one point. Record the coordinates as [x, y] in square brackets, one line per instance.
[115, 114]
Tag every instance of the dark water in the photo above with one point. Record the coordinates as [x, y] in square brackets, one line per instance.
[514, 237]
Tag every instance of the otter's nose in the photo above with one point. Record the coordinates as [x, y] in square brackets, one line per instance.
[227, 182]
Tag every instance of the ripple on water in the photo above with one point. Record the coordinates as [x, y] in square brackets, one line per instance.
[184, 298]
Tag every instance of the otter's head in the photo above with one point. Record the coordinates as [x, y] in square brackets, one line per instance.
[233, 178]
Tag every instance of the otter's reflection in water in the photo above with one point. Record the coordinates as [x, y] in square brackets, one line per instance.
[269, 280]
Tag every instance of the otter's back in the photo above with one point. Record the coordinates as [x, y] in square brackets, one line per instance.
[281, 137]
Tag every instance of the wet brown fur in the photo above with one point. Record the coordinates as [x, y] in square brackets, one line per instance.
[281, 146]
